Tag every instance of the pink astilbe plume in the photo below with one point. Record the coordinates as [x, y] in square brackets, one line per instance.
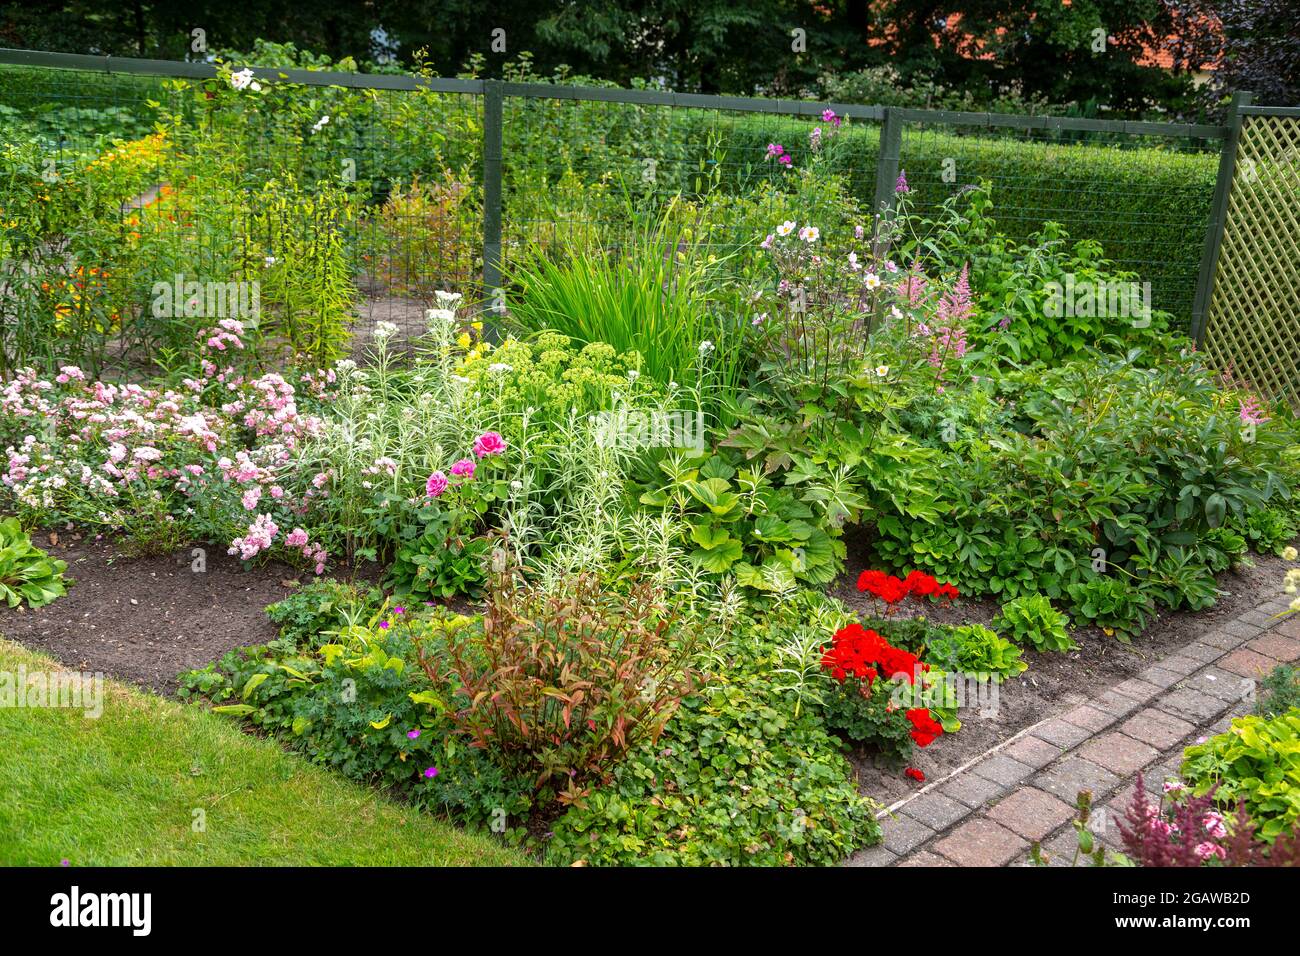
[956, 306]
[912, 289]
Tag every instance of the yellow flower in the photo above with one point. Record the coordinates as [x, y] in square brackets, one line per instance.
[463, 340]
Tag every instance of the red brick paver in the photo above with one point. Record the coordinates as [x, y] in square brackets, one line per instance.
[1118, 752]
[1247, 663]
[981, 842]
[1031, 813]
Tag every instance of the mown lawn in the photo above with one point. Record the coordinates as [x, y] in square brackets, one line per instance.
[123, 789]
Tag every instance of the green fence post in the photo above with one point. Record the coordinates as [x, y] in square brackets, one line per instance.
[493, 120]
[887, 159]
[891, 144]
[1218, 217]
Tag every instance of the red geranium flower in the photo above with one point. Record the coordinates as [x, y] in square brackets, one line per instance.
[915, 774]
[920, 583]
[925, 729]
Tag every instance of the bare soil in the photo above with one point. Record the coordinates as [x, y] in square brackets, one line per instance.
[145, 620]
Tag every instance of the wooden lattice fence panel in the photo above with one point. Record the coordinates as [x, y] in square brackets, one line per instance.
[1253, 328]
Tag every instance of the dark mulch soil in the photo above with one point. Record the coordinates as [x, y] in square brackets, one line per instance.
[1053, 682]
[145, 620]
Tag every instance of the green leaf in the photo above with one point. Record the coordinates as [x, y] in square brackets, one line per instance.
[253, 683]
[720, 558]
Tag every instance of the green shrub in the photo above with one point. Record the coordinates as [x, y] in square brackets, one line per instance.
[738, 520]
[1112, 605]
[1269, 530]
[1045, 299]
[26, 572]
[1109, 486]
[1031, 619]
[1256, 761]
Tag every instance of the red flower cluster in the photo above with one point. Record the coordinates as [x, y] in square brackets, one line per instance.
[915, 774]
[858, 652]
[925, 729]
[891, 590]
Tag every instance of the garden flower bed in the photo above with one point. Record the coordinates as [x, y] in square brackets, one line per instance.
[668, 557]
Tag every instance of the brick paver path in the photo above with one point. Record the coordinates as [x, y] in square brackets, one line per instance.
[989, 812]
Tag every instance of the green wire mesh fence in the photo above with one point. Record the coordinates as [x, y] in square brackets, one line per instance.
[351, 201]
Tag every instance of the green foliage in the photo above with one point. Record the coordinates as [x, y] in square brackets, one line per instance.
[870, 715]
[435, 565]
[320, 606]
[1278, 692]
[1112, 605]
[348, 700]
[735, 779]
[1101, 482]
[1096, 183]
[27, 574]
[1256, 761]
[1031, 619]
[975, 651]
[305, 266]
[1270, 530]
[740, 521]
[1042, 299]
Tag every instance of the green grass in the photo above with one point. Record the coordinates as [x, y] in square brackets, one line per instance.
[121, 790]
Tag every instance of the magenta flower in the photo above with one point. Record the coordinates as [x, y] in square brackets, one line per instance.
[436, 484]
[412, 734]
[774, 149]
[785, 160]
[399, 610]
[463, 468]
[900, 186]
[383, 625]
[489, 443]
[431, 772]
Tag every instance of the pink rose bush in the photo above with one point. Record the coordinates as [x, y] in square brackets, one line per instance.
[222, 456]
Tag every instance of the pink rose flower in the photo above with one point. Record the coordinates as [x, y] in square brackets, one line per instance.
[436, 484]
[489, 443]
[463, 468]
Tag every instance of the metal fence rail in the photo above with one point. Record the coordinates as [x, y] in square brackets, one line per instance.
[458, 179]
